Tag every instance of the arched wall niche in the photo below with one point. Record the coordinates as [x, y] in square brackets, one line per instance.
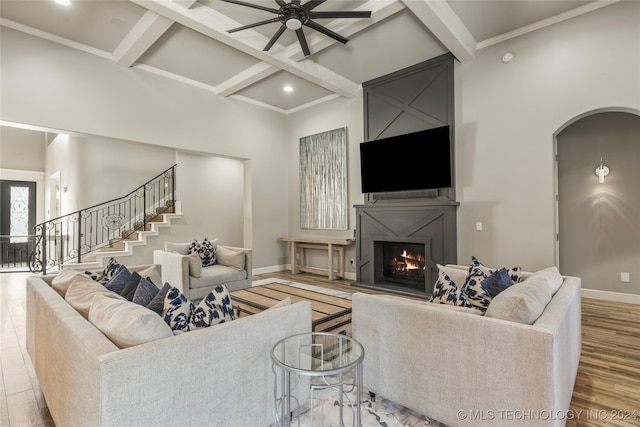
[598, 224]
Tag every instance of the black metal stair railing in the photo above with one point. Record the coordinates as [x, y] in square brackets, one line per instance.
[70, 238]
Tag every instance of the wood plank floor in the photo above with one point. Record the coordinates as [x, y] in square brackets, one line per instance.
[608, 381]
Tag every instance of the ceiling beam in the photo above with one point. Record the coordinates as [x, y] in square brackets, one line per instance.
[143, 35]
[443, 22]
[215, 25]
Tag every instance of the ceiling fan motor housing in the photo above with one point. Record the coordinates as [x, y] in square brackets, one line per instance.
[293, 16]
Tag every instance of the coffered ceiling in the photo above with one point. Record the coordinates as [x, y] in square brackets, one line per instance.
[188, 40]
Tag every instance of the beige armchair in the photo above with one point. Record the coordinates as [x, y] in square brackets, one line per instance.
[233, 269]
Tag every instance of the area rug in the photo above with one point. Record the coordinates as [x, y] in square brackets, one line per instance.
[380, 413]
[319, 289]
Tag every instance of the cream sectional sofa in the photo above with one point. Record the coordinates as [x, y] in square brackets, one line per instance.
[218, 376]
[461, 368]
[177, 270]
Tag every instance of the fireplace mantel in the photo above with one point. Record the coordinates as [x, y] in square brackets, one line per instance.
[431, 222]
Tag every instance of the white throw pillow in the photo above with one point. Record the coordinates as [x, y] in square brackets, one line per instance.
[181, 248]
[62, 281]
[83, 290]
[153, 274]
[523, 302]
[125, 323]
[230, 257]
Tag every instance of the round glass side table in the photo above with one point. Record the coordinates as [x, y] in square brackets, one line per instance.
[322, 355]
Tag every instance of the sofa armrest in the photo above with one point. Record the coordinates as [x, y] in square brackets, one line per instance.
[228, 377]
[437, 361]
[174, 269]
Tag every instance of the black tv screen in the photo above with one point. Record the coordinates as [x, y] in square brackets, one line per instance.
[414, 161]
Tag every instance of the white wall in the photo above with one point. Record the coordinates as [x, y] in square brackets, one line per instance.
[507, 115]
[84, 94]
[506, 118]
[330, 115]
[21, 149]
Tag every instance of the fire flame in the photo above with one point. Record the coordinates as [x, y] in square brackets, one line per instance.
[409, 261]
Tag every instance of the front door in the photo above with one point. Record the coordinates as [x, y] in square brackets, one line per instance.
[17, 218]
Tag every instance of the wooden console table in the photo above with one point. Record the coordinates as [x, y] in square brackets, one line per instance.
[322, 243]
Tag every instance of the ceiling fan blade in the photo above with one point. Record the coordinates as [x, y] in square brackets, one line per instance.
[275, 37]
[312, 4]
[281, 3]
[326, 32]
[303, 42]
[297, 2]
[256, 24]
[254, 6]
[339, 14]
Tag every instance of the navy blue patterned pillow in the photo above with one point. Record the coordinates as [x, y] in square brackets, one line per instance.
[177, 310]
[145, 292]
[445, 291]
[109, 271]
[206, 250]
[474, 290]
[497, 282]
[215, 308]
[514, 272]
[157, 303]
[119, 280]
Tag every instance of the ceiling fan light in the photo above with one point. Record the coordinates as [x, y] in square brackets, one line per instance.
[293, 24]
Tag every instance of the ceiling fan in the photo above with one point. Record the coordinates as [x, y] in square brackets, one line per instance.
[294, 15]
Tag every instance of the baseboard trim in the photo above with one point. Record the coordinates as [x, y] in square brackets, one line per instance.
[610, 296]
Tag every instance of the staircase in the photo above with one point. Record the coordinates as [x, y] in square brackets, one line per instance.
[87, 238]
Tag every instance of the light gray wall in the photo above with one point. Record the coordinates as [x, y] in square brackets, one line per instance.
[506, 118]
[508, 114]
[84, 94]
[330, 115]
[21, 149]
[600, 222]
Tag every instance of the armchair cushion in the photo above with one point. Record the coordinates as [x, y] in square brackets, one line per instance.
[179, 248]
[217, 274]
[230, 257]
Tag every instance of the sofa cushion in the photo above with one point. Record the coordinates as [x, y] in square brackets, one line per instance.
[523, 302]
[183, 315]
[152, 273]
[177, 310]
[157, 303]
[216, 275]
[63, 279]
[230, 257]
[497, 282]
[83, 290]
[127, 324]
[180, 248]
[145, 291]
[514, 272]
[206, 250]
[214, 308]
[446, 291]
[480, 288]
[130, 287]
[195, 266]
[109, 271]
[119, 280]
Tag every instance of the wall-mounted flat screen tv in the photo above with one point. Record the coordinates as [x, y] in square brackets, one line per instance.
[414, 161]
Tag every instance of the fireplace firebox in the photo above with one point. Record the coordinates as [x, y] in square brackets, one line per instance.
[403, 263]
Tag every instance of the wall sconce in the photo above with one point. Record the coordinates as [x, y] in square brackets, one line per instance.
[601, 172]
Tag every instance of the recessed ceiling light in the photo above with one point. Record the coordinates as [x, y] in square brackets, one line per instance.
[288, 88]
[507, 57]
[63, 2]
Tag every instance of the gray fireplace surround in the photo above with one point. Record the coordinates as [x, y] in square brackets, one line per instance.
[423, 221]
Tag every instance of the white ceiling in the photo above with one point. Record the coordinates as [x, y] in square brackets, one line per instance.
[187, 40]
